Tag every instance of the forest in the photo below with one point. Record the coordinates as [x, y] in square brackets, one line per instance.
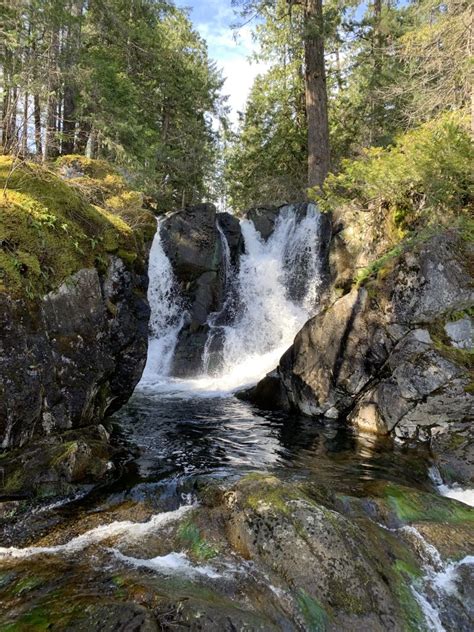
[131, 82]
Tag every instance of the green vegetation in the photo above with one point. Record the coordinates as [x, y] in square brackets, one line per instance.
[398, 88]
[190, 536]
[49, 229]
[405, 576]
[424, 178]
[413, 506]
[129, 82]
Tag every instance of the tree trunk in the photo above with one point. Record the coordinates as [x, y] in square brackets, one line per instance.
[24, 136]
[82, 136]
[72, 47]
[37, 117]
[316, 95]
[50, 142]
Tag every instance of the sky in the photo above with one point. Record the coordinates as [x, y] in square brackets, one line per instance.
[230, 49]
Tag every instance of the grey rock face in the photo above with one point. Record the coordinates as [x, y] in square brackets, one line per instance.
[264, 219]
[230, 226]
[388, 354]
[73, 358]
[192, 243]
[461, 333]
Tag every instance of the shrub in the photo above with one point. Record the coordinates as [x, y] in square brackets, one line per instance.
[425, 177]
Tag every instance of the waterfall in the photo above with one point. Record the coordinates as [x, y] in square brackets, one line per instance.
[266, 303]
[167, 312]
[269, 312]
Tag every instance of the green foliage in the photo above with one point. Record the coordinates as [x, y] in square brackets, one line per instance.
[130, 82]
[425, 177]
[267, 161]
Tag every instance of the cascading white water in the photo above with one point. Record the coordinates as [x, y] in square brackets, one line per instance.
[269, 317]
[276, 288]
[441, 584]
[167, 312]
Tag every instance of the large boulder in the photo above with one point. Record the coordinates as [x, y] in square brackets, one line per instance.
[74, 357]
[392, 354]
[192, 243]
[264, 219]
[230, 226]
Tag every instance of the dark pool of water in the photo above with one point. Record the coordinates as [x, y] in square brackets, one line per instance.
[181, 437]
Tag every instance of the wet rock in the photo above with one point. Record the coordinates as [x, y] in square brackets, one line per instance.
[192, 243]
[334, 576]
[57, 465]
[264, 219]
[454, 453]
[334, 356]
[113, 617]
[230, 226]
[73, 358]
[268, 394]
[383, 353]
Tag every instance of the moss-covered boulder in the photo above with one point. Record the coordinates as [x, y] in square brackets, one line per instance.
[73, 309]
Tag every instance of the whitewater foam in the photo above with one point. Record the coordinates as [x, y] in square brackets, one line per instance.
[126, 529]
[457, 492]
[170, 564]
[167, 312]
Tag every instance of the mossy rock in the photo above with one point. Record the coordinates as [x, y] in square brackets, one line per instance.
[410, 506]
[49, 230]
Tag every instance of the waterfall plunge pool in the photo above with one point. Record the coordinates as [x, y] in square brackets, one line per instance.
[131, 555]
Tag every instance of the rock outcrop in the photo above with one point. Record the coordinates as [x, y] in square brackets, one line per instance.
[264, 219]
[74, 357]
[192, 243]
[230, 226]
[73, 318]
[392, 355]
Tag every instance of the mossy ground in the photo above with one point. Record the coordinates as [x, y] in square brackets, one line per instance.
[49, 229]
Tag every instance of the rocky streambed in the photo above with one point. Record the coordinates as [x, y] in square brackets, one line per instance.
[229, 519]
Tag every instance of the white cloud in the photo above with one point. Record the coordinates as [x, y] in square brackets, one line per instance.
[233, 52]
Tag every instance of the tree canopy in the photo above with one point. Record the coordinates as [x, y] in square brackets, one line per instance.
[125, 80]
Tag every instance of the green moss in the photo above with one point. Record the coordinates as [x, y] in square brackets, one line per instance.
[415, 506]
[314, 615]
[277, 497]
[377, 266]
[49, 230]
[25, 585]
[442, 342]
[65, 451]
[410, 608]
[92, 168]
[407, 568]
[190, 536]
[13, 482]
[36, 620]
